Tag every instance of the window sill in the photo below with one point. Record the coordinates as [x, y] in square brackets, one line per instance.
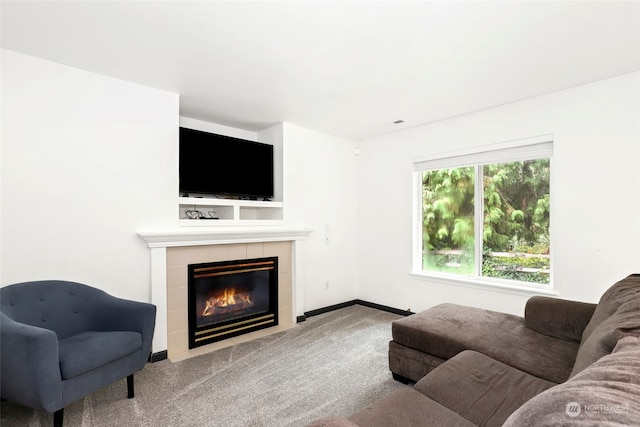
[485, 285]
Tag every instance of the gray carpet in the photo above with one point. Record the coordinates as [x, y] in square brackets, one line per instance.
[332, 364]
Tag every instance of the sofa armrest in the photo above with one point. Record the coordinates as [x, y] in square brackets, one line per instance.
[558, 318]
[30, 366]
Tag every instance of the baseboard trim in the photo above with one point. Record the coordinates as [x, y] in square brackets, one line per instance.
[329, 308]
[349, 304]
[385, 308]
[158, 356]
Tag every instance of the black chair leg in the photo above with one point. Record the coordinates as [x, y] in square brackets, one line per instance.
[58, 417]
[130, 393]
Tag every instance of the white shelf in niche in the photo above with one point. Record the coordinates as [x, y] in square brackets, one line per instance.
[230, 212]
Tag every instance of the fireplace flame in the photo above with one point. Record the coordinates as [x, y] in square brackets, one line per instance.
[229, 300]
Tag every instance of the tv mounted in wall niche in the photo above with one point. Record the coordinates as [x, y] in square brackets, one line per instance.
[224, 167]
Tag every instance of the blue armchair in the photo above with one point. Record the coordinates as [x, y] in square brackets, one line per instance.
[61, 341]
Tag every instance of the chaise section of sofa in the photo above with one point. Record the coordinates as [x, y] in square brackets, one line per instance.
[564, 362]
[472, 389]
[554, 340]
[424, 340]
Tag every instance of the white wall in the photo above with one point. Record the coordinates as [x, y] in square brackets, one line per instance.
[320, 194]
[595, 189]
[87, 161]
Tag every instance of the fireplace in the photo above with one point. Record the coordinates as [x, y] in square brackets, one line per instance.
[230, 298]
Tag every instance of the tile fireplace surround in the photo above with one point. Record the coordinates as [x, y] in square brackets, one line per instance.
[171, 253]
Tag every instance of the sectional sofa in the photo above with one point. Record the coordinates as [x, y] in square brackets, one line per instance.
[562, 363]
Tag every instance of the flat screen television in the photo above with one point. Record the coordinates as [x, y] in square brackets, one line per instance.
[223, 166]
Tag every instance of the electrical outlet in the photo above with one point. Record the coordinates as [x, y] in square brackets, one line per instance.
[326, 285]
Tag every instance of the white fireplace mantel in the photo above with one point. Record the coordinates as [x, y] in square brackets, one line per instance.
[217, 236]
[159, 240]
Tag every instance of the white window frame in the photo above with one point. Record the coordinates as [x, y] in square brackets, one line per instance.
[532, 148]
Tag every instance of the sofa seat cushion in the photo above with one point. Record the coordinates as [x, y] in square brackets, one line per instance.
[606, 393]
[482, 390]
[407, 408]
[86, 351]
[448, 329]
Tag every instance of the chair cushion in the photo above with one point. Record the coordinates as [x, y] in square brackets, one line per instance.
[89, 350]
[482, 390]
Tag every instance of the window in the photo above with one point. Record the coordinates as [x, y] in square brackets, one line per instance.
[486, 214]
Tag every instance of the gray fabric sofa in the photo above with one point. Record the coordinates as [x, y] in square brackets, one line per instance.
[562, 363]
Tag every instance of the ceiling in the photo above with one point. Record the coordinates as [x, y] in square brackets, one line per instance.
[347, 68]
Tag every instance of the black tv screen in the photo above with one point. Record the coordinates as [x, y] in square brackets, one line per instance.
[224, 166]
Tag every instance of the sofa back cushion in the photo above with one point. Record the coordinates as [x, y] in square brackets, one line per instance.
[558, 318]
[617, 315]
[605, 393]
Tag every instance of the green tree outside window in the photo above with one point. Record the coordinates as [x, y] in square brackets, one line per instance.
[515, 220]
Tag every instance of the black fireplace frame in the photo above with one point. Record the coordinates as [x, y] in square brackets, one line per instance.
[218, 331]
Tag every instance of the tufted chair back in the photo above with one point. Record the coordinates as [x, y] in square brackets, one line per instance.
[67, 308]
